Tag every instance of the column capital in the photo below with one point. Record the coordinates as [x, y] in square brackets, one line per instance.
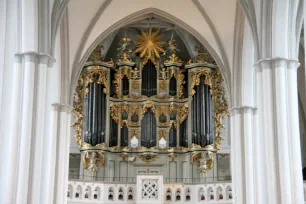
[39, 55]
[277, 61]
[62, 107]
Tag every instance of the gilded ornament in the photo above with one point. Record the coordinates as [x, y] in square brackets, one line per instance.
[124, 107]
[115, 112]
[78, 109]
[172, 108]
[183, 113]
[86, 145]
[146, 106]
[135, 132]
[172, 123]
[220, 107]
[162, 134]
[124, 122]
[124, 58]
[195, 78]
[204, 57]
[101, 146]
[195, 156]
[148, 157]
[90, 160]
[206, 162]
[164, 73]
[135, 84]
[172, 156]
[195, 146]
[134, 109]
[124, 156]
[172, 46]
[149, 45]
[173, 58]
[162, 84]
[116, 83]
[181, 80]
[102, 77]
[125, 72]
[135, 73]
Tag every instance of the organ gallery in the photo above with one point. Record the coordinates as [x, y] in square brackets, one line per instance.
[146, 102]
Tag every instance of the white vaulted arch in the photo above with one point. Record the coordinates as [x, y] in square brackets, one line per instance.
[79, 61]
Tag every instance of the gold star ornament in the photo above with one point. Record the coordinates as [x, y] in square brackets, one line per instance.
[149, 45]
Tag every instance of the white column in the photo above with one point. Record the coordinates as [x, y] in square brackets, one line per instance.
[26, 128]
[279, 115]
[259, 149]
[248, 135]
[8, 195]
[40, 114]
[49, 161]
[29, 48]
[242, 121]
[236, 160]
[62, 151]
[67, 155]
[269, 131]
[281, 108]
[294, 135]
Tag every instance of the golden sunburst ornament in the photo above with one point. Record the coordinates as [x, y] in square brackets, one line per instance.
[149, 45]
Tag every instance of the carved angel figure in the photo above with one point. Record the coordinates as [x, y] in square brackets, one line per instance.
[164, 74]
[135, 73]
[90, 160]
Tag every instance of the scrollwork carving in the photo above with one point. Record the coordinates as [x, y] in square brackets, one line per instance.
[102, 77]
[116, 83]
[181, 77]
[146, 106]
[220, 107]
[115, 112]
[162, 133]
[78, 109]
[183, 113]
[195, 78]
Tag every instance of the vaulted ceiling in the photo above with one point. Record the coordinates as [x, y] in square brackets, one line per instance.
[210, 23]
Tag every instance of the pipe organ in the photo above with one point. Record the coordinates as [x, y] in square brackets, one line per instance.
[150, 102]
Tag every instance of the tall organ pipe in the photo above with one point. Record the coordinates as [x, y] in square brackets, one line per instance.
[95, 113]
[203, 102]
[202, 117]
[183, 133]
[124, 136]
[148, 130]
[90, 103]
[149, 79]
[172, 86]
[99, 114]
[172, 137]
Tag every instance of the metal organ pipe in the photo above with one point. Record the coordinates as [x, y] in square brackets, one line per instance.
[203, 102]
[90, 100]
[95, 114]
[202, 117]
[99, 113]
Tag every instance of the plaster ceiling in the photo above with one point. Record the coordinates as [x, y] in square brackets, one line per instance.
[210, 21]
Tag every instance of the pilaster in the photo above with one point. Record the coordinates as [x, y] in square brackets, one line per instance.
[62, 153]
[243, 175]
[278, 113]
[26, 132]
